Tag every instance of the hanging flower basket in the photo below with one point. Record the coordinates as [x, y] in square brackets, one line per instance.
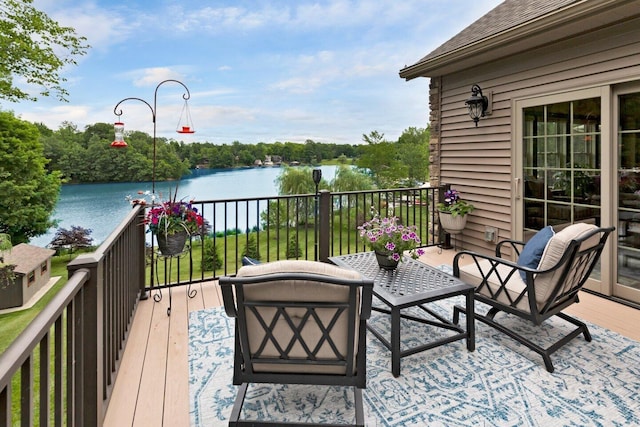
[453, 224]
[172, 244]
[385, 262]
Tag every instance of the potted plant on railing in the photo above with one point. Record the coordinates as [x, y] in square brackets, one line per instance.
[172, 222]
[453, 212]
[389, 240]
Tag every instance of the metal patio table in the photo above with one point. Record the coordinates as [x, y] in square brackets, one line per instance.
[412, 284]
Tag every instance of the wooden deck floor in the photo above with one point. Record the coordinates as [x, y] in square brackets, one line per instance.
[152, 387]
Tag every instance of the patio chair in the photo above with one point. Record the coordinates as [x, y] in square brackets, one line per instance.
[535, 290]
[298, 322]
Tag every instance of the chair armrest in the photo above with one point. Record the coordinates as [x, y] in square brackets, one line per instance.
[516, 245]
[495, 260]
[227, 296]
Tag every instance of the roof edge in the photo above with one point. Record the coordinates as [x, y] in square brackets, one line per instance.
[569, 13]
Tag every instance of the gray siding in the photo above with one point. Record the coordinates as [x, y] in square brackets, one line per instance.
[478, 161]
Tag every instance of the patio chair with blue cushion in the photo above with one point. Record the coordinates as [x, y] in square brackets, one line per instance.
[298, 322]
[550, 271]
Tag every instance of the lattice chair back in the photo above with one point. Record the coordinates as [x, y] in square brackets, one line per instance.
[299, 322]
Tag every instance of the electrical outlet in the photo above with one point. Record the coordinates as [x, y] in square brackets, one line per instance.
[490, 234]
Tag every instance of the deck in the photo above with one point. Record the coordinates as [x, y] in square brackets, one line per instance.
[152, 388]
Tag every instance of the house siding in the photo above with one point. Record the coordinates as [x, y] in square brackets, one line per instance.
[478, 161]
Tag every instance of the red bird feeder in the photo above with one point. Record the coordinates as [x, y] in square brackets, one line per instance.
[185, 125]
[118, 142]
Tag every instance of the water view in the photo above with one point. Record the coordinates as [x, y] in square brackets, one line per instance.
[101, 207]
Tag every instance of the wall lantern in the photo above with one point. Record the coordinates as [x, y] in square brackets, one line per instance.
[477, 104]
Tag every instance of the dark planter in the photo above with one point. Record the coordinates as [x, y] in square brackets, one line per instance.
[172, 244]
[384, 262]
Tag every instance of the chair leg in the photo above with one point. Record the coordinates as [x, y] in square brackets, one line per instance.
[544, 352]
[237, 406]
[357, 395]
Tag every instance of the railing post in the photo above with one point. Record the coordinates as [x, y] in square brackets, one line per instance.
[324, 231]
[443, 236]
[88, 356]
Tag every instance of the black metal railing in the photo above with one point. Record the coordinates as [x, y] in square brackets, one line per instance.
[306, 226]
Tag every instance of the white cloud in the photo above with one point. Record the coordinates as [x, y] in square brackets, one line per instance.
[152, 76]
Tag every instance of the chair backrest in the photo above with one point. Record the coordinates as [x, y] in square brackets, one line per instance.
[299, 321]
[567, 262]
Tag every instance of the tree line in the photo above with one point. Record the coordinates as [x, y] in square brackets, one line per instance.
[86, 156]
[35, 161]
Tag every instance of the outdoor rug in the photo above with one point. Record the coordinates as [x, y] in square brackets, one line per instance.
[501, 383]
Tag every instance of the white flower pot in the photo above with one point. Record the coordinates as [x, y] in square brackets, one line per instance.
[453, 224]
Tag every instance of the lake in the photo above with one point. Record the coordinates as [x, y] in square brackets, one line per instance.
[101, 207]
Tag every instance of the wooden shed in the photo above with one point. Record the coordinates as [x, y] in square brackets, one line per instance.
[32, 270]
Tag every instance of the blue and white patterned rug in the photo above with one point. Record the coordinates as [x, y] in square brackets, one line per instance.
[501, 383]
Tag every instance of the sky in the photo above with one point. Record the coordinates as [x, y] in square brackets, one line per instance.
[256, 71]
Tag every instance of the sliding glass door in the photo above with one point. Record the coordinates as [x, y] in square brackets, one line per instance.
[628, 196]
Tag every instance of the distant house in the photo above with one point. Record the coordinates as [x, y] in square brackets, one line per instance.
[560, 139]
[33, 271]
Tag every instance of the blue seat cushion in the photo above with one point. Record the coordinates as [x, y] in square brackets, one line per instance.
[533, 250]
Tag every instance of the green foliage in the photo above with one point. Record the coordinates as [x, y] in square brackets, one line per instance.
[454, 204]
[88, 156]
[5, 242]
[349, 179]
[34, 48]
[211, 259]
[298, 181]
[251, 248]
[6, 270]
[293, 247]
[393, 164]
[29, 193]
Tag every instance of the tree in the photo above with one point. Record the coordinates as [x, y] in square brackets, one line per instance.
[29, 192]
[251, 249]
[381, 158]
[6, 270]
[35, 48]
[75, 238]
[211, 259]
[413, 150]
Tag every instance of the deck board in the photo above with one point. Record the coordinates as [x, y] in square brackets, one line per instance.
[155, 363]
[149, 410]
[127, 383]
[177, 383]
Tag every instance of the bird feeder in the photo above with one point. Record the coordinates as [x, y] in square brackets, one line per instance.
[118, 142]
[185, 125]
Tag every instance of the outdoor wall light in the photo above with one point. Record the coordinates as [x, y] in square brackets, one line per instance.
[477, 104]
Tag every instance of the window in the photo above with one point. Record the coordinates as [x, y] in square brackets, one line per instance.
[31, 278]
[561, 162]
[43, 268]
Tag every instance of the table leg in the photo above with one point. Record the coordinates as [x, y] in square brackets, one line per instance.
[395, 342]
[471, 328]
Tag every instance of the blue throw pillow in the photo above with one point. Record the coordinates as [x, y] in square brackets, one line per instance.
[249, 261]
[533, 249]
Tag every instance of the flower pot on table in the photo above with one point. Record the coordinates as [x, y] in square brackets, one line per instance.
[385, 262]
